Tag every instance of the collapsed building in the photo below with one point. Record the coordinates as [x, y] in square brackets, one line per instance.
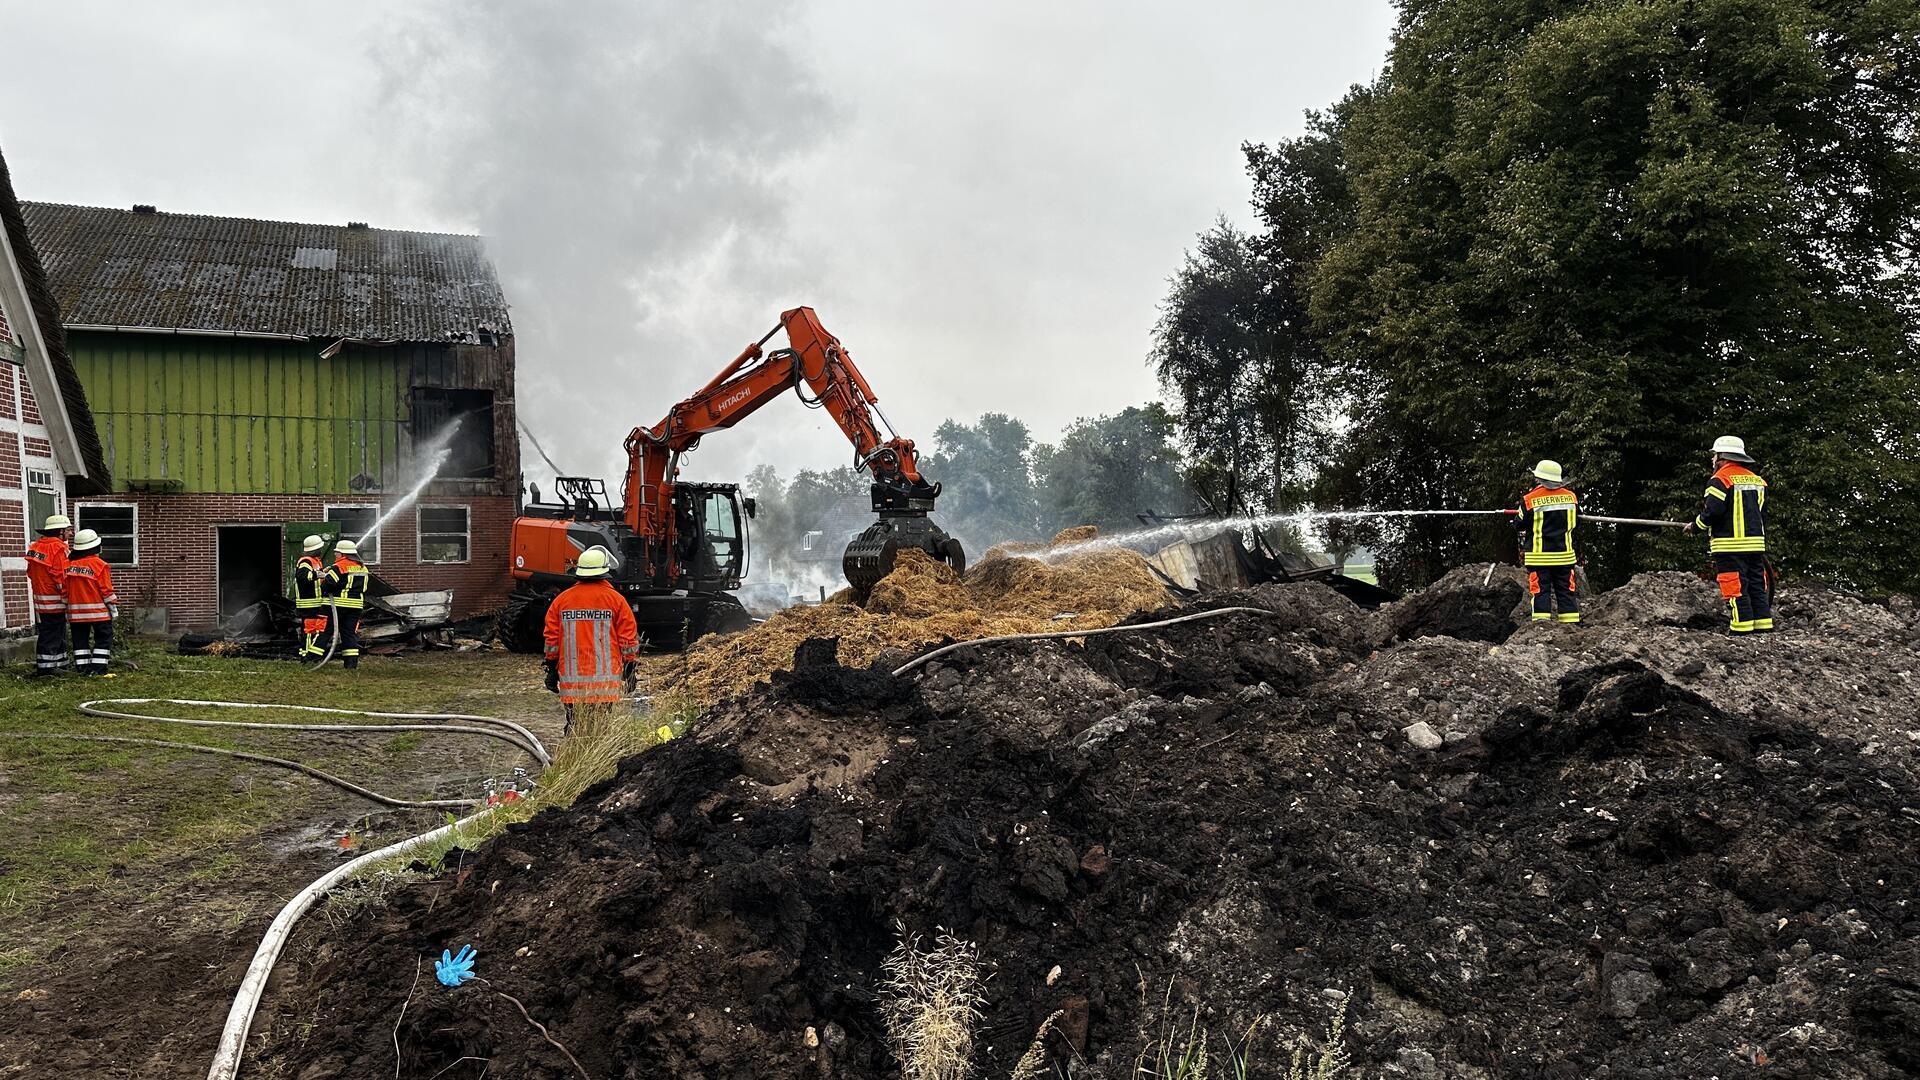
[258, 381]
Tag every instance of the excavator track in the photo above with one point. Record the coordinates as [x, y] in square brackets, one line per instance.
[871, 555]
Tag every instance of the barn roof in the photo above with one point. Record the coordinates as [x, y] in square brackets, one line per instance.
[143, 269]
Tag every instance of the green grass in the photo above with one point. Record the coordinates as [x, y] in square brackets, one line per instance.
[94, 829]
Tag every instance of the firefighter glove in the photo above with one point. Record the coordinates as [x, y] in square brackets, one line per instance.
[553, 676]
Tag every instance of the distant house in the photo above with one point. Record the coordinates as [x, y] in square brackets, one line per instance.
[49, 451]
[255, 381]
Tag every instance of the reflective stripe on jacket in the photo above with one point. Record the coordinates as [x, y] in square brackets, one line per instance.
[89, 590]
[47, 573]
[346, 582]
[591, 635]
[1733, 512]
[1547, 519]
[306, 582]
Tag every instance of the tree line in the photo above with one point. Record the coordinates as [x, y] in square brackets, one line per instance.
[1597, 232]
[997, 484]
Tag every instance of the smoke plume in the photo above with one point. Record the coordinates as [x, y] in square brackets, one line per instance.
[626, 161]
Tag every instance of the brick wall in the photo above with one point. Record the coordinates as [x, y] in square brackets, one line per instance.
[178, 543]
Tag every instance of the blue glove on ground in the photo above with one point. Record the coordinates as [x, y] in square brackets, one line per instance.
[453, 970]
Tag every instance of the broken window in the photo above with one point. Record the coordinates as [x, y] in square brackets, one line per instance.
[462, 421]
[354, 521]
[119, 527]
[444, 534]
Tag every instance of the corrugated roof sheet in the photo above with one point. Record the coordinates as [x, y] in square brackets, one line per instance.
[46, 313]
[192, 272]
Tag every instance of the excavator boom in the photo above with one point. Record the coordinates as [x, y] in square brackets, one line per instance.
[817, 367]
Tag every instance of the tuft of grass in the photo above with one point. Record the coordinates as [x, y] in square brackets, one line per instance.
[930, 1002]
[1032, 1064]
[603, 736]
[1174, 1053]
[404, 742]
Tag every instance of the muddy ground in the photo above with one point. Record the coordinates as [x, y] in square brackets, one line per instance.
[1633, 848]
[135, 883]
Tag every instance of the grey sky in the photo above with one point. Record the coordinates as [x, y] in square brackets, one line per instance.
[983, 200]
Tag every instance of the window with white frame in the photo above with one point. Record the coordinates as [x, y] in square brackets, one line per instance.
[354, 521]
[445, 534]
[43, 499]
[119, 527]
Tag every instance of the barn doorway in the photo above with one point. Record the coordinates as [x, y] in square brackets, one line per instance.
[249, 566]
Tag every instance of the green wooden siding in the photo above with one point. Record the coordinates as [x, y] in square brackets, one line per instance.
[238, 415]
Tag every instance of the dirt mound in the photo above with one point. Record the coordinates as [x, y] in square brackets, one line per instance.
[923, 602]
[1661, 598]
[1599, 871]
[1467, 603]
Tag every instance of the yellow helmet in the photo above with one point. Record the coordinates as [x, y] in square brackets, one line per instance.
[1549, 471]
[346, 547]
[86, 540]
[594, 562]
[55, 523]
[312, 543]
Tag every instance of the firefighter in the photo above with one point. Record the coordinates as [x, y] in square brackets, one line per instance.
[91, 605]
[593, 644]
[47, 575]
[1733, 514]
[345, 586]
[309, 605]
[1547, 517]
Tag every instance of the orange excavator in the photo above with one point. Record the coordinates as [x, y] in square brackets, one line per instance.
[681, 547]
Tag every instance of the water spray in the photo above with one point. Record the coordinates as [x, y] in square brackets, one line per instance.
[1201, 530]
[436, 452]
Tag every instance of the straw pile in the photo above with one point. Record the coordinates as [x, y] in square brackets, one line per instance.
[924, 602]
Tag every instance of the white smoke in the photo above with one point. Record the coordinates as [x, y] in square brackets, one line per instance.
[626, 160]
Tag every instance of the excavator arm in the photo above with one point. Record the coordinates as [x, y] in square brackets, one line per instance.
[815, 360]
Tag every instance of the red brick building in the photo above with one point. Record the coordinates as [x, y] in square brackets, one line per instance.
[45, 456]
[256, 381]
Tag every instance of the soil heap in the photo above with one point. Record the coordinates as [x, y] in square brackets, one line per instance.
[1629, 849]
[923, 602]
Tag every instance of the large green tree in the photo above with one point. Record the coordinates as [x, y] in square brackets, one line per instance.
[985, 472]
[1607, 231]
[1107, 469]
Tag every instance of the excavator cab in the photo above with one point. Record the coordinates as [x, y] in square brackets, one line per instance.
[711, 534]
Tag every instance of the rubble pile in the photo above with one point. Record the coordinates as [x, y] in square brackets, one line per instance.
[1630, 849]
[923, 602]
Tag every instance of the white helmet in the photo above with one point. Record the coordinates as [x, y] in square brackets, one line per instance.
[346, 547]
[1731, 447]
[86, 540]
[594, 562]
[312, 543]
[1548, 471]
[55, 523]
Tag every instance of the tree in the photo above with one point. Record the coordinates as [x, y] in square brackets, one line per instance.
[1605, 233]
[1107, 469]
[985, 470]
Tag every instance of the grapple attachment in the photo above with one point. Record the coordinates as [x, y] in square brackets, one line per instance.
[871, 555]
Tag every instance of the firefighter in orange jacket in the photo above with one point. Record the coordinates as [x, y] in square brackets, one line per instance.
[47, 574]
[1733, 514]
[593, 643]
[345, 584]
[1547, 515]
[309, 602]
[91, 605]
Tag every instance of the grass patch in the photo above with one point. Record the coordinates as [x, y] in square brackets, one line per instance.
[96, 831]
[404, 742]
